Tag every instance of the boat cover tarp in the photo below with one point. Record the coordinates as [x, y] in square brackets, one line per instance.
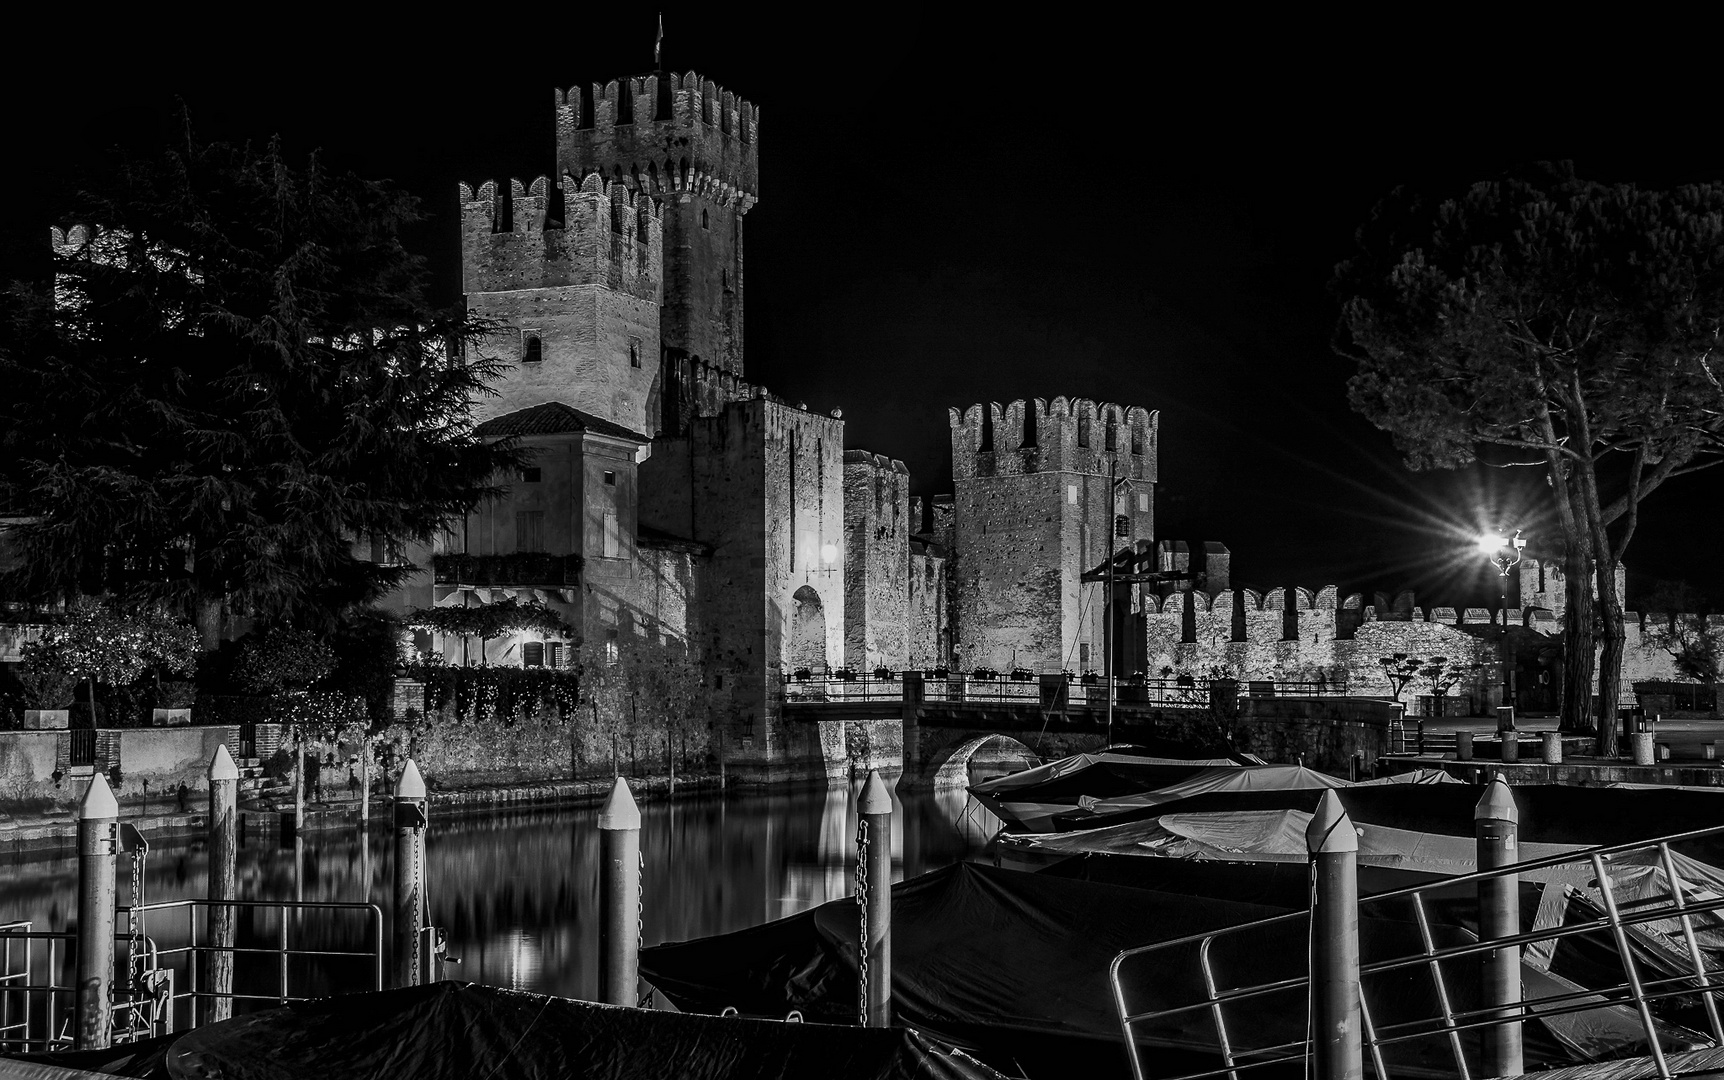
[1549, 813]
[1268, 836]
[1014, 966]
[1414, 776]
[1255, 778]
[1026, 799]
[459, 1031]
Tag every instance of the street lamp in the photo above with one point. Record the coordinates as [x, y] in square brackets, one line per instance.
[1505, 552]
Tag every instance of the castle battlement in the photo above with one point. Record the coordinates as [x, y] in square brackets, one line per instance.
[879, 462]
[662, 133]
[1276, 600]
[1061, 434]
[594, 232]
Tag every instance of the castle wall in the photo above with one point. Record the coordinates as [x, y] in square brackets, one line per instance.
[1301, 639]
[876, 561]
[1544, 584]
[927, 623]
[768, 495]
[692, 146]
[1032, 512]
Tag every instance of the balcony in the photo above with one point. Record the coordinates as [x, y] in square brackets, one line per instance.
[521, 569]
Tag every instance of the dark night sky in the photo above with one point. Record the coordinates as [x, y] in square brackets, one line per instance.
[957, 208]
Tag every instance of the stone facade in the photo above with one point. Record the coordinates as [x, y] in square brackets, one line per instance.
[877, 527]
[1031, 512]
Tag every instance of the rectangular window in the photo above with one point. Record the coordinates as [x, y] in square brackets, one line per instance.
[1083, 652]
[1071, 494]
[533, 654]
[613, 541]
[530, 475]
[1143, 502]
[553, 654]
[610, 479]
[530, 530]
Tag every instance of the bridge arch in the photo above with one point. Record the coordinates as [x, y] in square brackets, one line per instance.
[998, 754]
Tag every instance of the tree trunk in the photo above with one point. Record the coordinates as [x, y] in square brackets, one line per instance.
[1610, 658]
[92, 681]
[1577, 641]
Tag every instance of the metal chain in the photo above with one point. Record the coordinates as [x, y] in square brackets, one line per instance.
[862, 908]
[419, 973]
[645, 1000]
[134, 920]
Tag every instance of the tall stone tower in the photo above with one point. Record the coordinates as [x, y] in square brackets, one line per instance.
[692, 146]
[574, 277]
[1032, 513]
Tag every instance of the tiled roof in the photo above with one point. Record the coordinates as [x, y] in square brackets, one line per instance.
[553, 418]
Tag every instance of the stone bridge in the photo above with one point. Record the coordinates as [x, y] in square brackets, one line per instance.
[947, 743]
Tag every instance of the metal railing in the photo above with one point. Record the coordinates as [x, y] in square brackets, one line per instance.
[1088, 691]
[1210, 1020]
[169, 985]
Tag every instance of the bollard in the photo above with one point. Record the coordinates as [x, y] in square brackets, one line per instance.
[98, 854]
[1336, 1025]
[1505, 717]
[1552, 747]
[874, 898]
[1463, 746]
[1510, 742]
[619, 897]
[1497, 821]
[1641, 745]
[224, 854]
[409, 874]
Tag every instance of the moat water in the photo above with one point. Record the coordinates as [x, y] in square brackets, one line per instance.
[518, 893]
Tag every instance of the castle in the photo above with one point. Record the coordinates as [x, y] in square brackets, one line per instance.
[703, 509]
[708, 512]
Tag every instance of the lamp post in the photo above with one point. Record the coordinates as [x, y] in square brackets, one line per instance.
[1504, 551]
[1117, 527]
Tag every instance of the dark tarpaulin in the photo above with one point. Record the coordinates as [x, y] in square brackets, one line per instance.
[1014, 967]
[461, 1031]
[1549, 813]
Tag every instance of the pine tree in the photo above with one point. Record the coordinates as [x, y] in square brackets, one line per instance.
[1550, 322]
[236, 376]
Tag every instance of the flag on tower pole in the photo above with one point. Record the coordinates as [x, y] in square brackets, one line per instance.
[658, 43]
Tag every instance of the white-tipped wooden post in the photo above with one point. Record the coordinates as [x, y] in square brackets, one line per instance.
[1497, 821]
[98, 854]
[224, 857]
[874, 896]
[409, 873]
[1336, 1027]
[619, 897]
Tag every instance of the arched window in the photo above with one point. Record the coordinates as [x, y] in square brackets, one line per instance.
[704, 223]
[634, 354]
[1083, 431]
[532, 349]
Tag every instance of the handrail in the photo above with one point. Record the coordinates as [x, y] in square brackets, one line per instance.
[1624, 924]
[37, 1032]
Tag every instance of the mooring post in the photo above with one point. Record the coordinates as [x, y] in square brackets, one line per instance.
[1336, 1027]
[874, 897]
[224, 854]
[98, 855]
[1497, 821]
[409, 874]
[619, 897]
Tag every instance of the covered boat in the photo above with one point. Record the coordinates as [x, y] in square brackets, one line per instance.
[1014, 966]
[456, 1031]
[1027, 800]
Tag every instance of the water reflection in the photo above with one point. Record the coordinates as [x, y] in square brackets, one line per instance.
[519, 892]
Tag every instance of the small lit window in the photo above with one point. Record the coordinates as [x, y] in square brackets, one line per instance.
[532, 349]
[1071, 494]
[610, 479]
[1143, 502]
[530, 475]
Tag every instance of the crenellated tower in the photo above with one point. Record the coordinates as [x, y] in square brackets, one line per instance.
[1033, 511]
[574, 276]
[693, 146]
